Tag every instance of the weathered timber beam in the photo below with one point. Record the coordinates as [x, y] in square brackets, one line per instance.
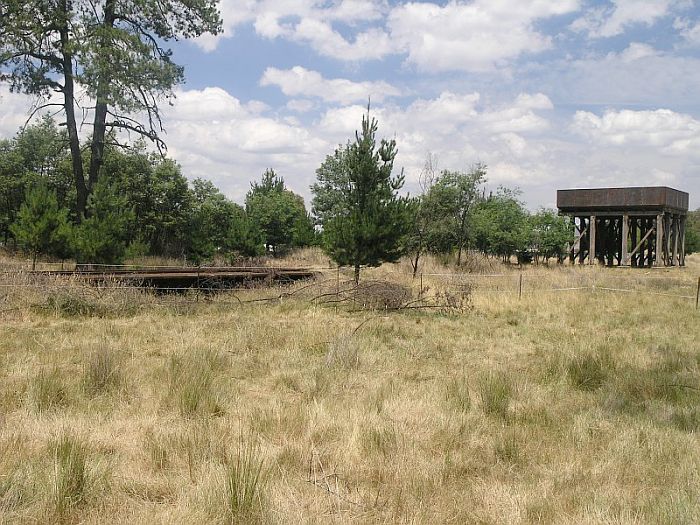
[641, 242]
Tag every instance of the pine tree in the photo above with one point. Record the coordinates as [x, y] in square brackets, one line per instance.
[115, 50]
[41, 226]
[356, 199]
[103, 237]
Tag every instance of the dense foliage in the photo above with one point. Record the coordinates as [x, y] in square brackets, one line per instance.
[142, 205]
[357, 203]
[278, 214]
[692, 232]
[113, 49]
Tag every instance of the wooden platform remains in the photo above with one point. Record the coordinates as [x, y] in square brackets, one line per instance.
[178, 278]
[640, 226]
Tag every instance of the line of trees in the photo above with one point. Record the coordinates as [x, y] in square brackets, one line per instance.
[144, 205]
[365, 221]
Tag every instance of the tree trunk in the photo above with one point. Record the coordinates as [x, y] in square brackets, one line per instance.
[357, 274]
[34, 260]
[99, 128]
[419, 249]
[462, 236]
[69, 106]
[415, 263]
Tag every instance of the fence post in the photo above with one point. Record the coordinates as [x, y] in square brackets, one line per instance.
[697, 295]
[520, 286]
[197, 296]
[420, 292]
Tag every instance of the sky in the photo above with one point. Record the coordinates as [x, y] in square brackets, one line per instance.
[549, 94]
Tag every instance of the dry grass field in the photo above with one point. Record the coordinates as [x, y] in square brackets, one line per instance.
[571, 406]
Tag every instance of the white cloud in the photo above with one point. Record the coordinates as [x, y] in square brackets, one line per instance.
[637, 51]
[309, 22]
[665, 130]
[464, 36]
[454, 126]
[616, 18]
[639, 75]
[689, 31]
[320, 35]
[15, 108]
[300, 105]
[300, 81]
[519, 116]
[213, 134]
[474, 36]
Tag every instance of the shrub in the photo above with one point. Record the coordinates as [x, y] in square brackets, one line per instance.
[381, 295]
[71, 304]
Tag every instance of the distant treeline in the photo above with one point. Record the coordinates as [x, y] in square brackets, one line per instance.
[144, 205]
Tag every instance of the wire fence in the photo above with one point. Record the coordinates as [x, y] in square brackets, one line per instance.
[522, 285]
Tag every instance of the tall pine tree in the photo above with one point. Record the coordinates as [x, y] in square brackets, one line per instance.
[356, 201]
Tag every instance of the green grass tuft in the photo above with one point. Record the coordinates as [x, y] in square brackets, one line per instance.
[70, 474]
[457, 394]
[245, 486]
[47, 391]
[101, 373]
[496, 392]
[588, 371]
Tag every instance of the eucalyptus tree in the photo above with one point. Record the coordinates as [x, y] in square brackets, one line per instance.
[112, 50]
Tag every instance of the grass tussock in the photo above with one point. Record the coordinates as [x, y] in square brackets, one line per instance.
[70, 477]
[101, 372]
[457, 394]
[245, 486]
[344, 353]
[589, 370]
[496, 390]
[47, 390]
[191, 387]
[14, 491]
[378, 439]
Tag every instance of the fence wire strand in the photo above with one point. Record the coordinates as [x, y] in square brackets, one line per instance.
[517, 284]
